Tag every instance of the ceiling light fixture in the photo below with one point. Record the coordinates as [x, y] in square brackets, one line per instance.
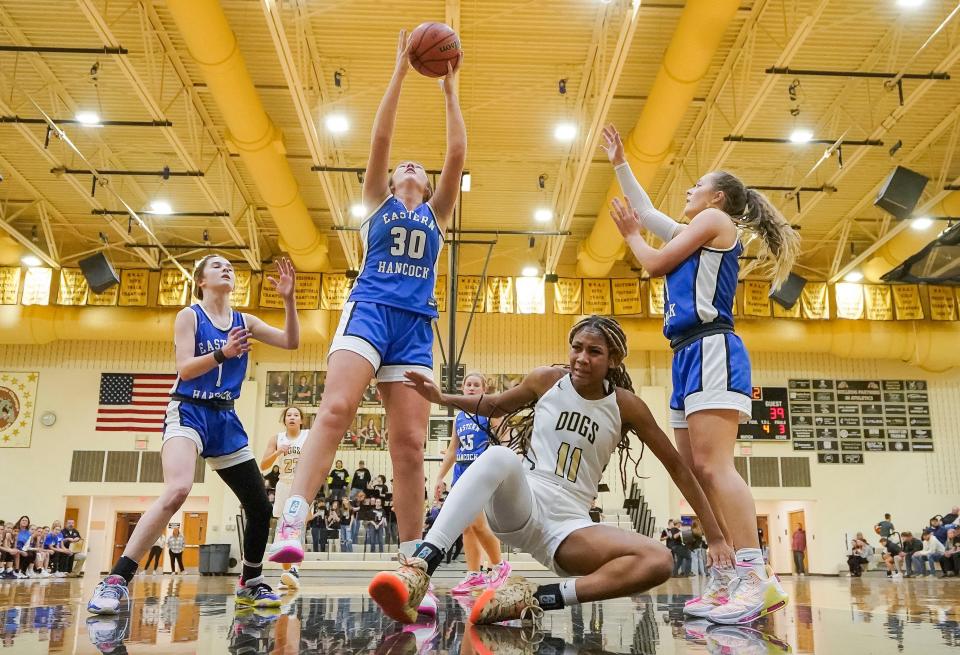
[801, 135]
[161, 207]
[853, 276]
[542, 215]
[565, 132]
[337, 123]
[909, 4]
[358, 211]
[88, 118]
[530, 271]
[465, 182]
[30, 261]
[921, 223]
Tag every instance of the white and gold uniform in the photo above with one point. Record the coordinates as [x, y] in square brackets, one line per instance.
[288, 466]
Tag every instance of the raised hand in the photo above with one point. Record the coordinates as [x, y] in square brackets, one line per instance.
[448, 82]
[403, 53]
[613, 145]
[423, 385]
[286, 281]
[238, 342]
[625, 217]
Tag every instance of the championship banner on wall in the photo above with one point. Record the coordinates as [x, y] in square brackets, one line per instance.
[879, 301]
[656, 290]
[134, 283]
[626, 296]
[756, 298]
[18, 393]
[530, 298]
[106, 299]
[596, 297]
[468, 289]
[241, 288]
[336, 290]
[943, 304]
[849, 300]
[306, 290]
[440, 293]
[174, 288]
[269, 298]
[73, 287]
[813, 301]
[906, 300]
[781, 312]
[567, 294]
[36, 286]
[9, 285]
[499, 292]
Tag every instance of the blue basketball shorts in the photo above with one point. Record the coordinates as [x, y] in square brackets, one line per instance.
[217, 433]
[393, 340]
[710, 373]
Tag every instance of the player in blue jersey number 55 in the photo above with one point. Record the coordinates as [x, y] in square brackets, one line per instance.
[386, 326]
[211, 341]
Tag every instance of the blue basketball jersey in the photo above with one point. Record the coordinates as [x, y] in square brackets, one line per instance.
[400, 260]
[701, 289]
[472, 435]
[222, 382]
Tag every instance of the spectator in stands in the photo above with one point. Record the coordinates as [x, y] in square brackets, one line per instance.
[379, 488]
[681, 553]
[939, 529]
[175, 545]
[361, 478]
[911, 546]
[333, 520]
[346, 526]
[59, 554]
[697, 544]
[932, 552]
[856, 557]
[377, 526]
[22, 530]
[272, 477]
[318, 527]
[798, 543]
[359, 503]
[950, 518]
[595, 512]
[890, 554]
[40, 556]
[338, 478]
[884, 528]
[71, 541]
[951, 555]
[9, 554]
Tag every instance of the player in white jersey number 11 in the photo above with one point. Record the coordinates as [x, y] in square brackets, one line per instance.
[565, 423]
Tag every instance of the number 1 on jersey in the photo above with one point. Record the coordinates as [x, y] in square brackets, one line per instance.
[568, 468]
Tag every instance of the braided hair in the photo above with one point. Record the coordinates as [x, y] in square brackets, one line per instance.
[516, 430]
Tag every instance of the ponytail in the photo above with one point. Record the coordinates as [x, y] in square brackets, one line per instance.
[779, 242]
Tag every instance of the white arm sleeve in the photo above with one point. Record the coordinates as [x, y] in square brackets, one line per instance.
[651, 218]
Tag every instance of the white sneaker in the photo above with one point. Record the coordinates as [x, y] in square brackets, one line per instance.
[752, 599]
[719, 587]
[290, 578]
[44, 573]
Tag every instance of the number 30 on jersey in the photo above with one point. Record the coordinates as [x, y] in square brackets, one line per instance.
[409, 243]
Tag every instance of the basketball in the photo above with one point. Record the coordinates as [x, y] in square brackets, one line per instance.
[432, 45]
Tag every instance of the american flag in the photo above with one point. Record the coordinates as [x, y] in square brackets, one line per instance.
[133, 402]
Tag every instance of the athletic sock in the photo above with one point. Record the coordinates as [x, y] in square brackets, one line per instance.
[409, 548]
[125, 567]
[549, 597]
[751, 559]
[431, 554]
[295, 509]
[568, 589]
[252, 573]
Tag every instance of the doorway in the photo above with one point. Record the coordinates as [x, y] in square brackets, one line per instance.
[796, 519]
[126, 522]
[194, 531]
[763, 533]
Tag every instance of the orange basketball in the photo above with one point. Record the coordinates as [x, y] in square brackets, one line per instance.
[432, 45]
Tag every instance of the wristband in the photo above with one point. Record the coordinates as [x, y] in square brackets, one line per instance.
[219, 356]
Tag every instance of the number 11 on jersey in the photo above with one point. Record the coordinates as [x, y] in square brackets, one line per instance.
[568, 462]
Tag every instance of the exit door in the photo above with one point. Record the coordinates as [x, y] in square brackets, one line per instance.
[126, 522]
[194, 531]
[798, 520]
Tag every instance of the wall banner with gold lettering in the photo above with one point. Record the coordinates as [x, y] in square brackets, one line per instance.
[780, 312]
[849, 300]
[307, 290]
[18, 393]
[174, 288]
[240, 297]
[106, 299]
[336, 290]
[879, 302]
[626, 296]
[530, 298]
[596, 296]
[9, 285]
[943, 304]
[906, 300]
[36, 286]
[134, 283]
[499, 292]
[470, 293]
[756, 298]
[73, 287]
[567, 294]
[269, 298]
[656, 290]
[813, 301]
[440, 293]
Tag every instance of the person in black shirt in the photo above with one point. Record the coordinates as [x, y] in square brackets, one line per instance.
[361, 478]
[950, 563]
[909, 546]
[71, 541]
[891, 552]
[318, 527]
[379, 488]
[272, 477]
[339, 477]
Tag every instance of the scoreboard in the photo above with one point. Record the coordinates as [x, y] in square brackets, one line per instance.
[769, 416]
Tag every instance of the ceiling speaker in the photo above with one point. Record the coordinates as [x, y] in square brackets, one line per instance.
[901, 191]
[99, 273]
[788, 294]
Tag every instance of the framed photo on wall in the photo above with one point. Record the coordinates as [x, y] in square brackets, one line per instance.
[370, 431]
[371, 395]
[278, 388]
[304, 388]
[319, 383]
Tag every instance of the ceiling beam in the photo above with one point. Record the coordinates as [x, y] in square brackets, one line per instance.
[7, 226]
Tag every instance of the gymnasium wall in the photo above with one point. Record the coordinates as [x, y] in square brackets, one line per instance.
[842, 499]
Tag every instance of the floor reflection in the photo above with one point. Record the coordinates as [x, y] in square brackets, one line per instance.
[196, 615]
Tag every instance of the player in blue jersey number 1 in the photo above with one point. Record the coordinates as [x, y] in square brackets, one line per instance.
[212, 341]
[711, 368]
[386, 325]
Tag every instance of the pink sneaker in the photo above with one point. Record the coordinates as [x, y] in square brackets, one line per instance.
[428, 606]
[499, 574]
[287, 548]
[473, 581]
